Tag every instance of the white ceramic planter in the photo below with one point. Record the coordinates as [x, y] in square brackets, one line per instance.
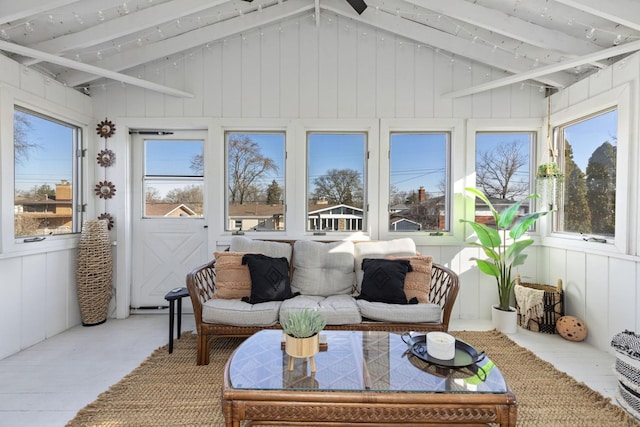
[505, 321]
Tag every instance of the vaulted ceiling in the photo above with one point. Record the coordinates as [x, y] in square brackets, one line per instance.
[551, 43]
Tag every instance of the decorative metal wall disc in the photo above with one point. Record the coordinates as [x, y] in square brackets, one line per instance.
[105, 189]
[106, 158]
[106, 128]
[108, 218]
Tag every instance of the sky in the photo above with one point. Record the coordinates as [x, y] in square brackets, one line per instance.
[52, 161]
[417, 159]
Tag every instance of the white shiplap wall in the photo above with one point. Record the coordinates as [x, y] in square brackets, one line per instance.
[37, 280]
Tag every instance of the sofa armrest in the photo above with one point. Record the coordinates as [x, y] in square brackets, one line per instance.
[201, 283]
[444, 290]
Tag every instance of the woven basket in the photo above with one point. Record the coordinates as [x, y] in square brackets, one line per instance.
[553, 307]
[627, 369]
[94, 272]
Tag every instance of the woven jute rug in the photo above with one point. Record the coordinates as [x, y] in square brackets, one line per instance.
[170, 390]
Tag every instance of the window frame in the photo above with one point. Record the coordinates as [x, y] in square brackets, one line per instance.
[536, 154]
[10, 98]
[455, 178]
[299, 190]
[619, 98]
[219, 212]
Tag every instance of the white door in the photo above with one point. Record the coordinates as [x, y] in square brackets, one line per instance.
[169, 223]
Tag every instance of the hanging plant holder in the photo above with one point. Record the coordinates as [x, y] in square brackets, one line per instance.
[549, 179]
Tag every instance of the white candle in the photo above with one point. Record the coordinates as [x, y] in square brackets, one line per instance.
[441, 345]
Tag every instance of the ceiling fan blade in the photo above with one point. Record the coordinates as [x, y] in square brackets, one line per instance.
[358, 5]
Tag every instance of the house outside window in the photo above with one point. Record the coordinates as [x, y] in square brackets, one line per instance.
[173, 178]
[419, 170]
[336, 193]
[47, 187]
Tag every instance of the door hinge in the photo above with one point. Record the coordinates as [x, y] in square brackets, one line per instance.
[81, 152]
[81, 208]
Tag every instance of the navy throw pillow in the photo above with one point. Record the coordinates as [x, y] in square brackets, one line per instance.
[269, 278]
[383, 280]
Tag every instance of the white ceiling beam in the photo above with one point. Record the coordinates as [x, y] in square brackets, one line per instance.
[123, 26]
[317, 6]
[96, 71]
[442, 40]
[508, 26]
[538, 72]
[188, 40]
[16, 10]
[624, 12]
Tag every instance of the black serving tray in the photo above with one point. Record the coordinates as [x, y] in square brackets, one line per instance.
[465, 355]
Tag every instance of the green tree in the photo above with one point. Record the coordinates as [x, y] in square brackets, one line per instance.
[44, 192]
[577, 216]
[601, 189]
[339, 186]
[274, 193]
[246, 165]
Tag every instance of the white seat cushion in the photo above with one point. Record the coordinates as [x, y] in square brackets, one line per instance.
[323, 269]
[238, 313]
[400, 313]
[336, 309]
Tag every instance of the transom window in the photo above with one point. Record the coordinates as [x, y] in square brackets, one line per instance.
[336, 193]
[419, 170]
[46, 189]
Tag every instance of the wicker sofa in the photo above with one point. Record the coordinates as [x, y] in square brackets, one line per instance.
[327, 276]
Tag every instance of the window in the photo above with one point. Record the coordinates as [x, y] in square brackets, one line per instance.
[503, 164]
[173, 178]
[336, 195]
[46, 170]
[418, 195]
[255, 187]
[588, 154]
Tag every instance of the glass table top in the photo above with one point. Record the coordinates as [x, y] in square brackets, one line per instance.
[354, 361]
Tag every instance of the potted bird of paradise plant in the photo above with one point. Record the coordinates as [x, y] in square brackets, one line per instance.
[504, 248]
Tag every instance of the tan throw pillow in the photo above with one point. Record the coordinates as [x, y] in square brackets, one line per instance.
[233, 280]
[417, 283]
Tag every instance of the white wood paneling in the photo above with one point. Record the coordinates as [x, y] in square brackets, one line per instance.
[443, 76]
[33, 313]
[347, 86]
[231, 66]
[405, 79]
[597, 299]
[10, 334]
[385, 75]
[290, 69]
[575, 284]
[328, 69]
[212, 80]
[424, 82]
[250, 68]
[309, 68]
[622, 295]
[366, 78]
[194, 83]
[269, 76]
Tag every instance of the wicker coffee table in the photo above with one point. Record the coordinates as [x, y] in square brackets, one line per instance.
[364, 378]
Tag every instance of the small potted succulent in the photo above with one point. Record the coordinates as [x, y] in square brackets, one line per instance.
[549, 176]
[302, 329]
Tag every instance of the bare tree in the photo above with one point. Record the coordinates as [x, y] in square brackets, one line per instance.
[21, 143]
[246, 165]
[342, 186]
[497, 170]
